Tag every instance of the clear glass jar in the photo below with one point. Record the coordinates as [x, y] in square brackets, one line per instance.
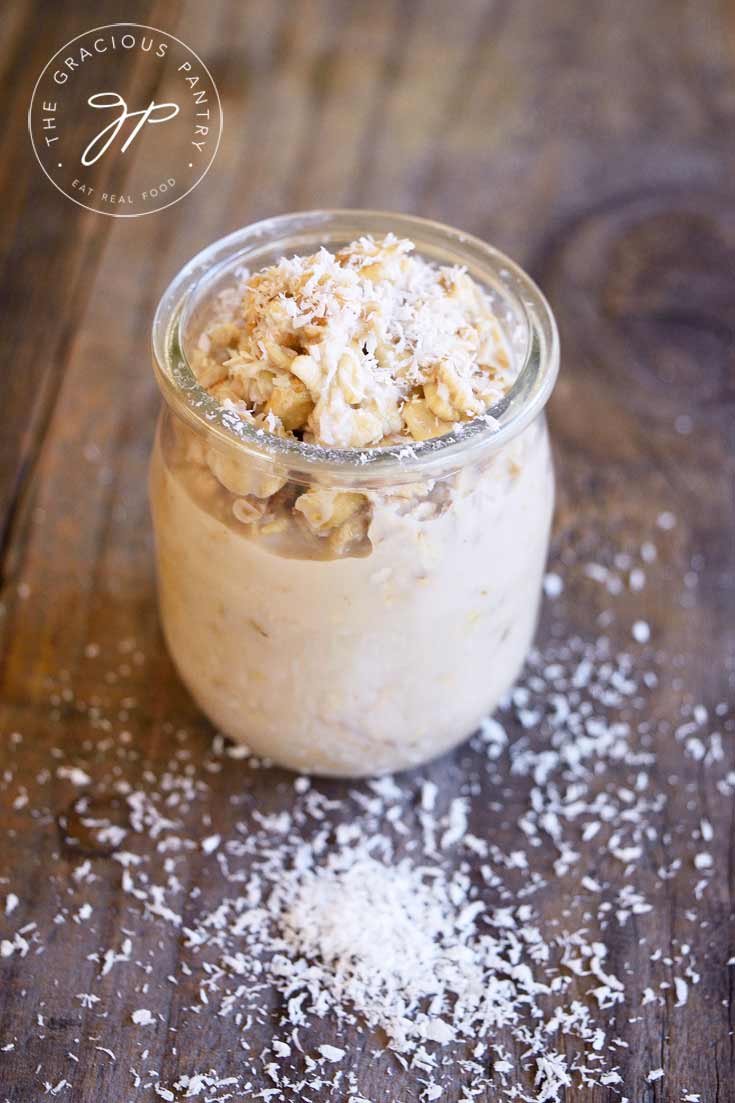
[378, 651]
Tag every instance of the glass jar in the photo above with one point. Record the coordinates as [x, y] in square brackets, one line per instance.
[377, 649]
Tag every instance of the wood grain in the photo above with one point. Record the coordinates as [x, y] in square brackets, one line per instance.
[591, 141]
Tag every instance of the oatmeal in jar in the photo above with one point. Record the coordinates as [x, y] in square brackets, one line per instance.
[351, 485]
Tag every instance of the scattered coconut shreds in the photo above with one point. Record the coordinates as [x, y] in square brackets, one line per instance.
[553, 584]
[641, 632]
[465, 964]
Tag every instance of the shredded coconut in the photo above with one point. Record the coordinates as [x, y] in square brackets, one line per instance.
[142, 1017]
[357, 349]
[386, 919]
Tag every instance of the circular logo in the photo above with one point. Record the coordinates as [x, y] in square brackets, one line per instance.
[125, 120]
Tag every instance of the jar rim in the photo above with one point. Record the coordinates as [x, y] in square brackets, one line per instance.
[351, 466]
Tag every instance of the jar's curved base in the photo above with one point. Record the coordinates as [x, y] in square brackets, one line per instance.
[341, 752]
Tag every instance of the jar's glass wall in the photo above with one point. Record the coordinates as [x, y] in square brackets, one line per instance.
[341, 624]
[371, 645]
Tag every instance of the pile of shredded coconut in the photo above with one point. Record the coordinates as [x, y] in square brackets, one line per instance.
[332, 938]
[368, 346]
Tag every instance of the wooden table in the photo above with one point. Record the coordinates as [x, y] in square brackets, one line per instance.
[591, 141]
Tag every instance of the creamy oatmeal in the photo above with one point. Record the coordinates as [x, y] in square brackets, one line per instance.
[350, 624]
[358, 348]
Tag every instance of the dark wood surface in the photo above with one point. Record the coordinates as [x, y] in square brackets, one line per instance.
[594, 143]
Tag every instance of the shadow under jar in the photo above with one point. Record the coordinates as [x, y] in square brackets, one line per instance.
[377, 653]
